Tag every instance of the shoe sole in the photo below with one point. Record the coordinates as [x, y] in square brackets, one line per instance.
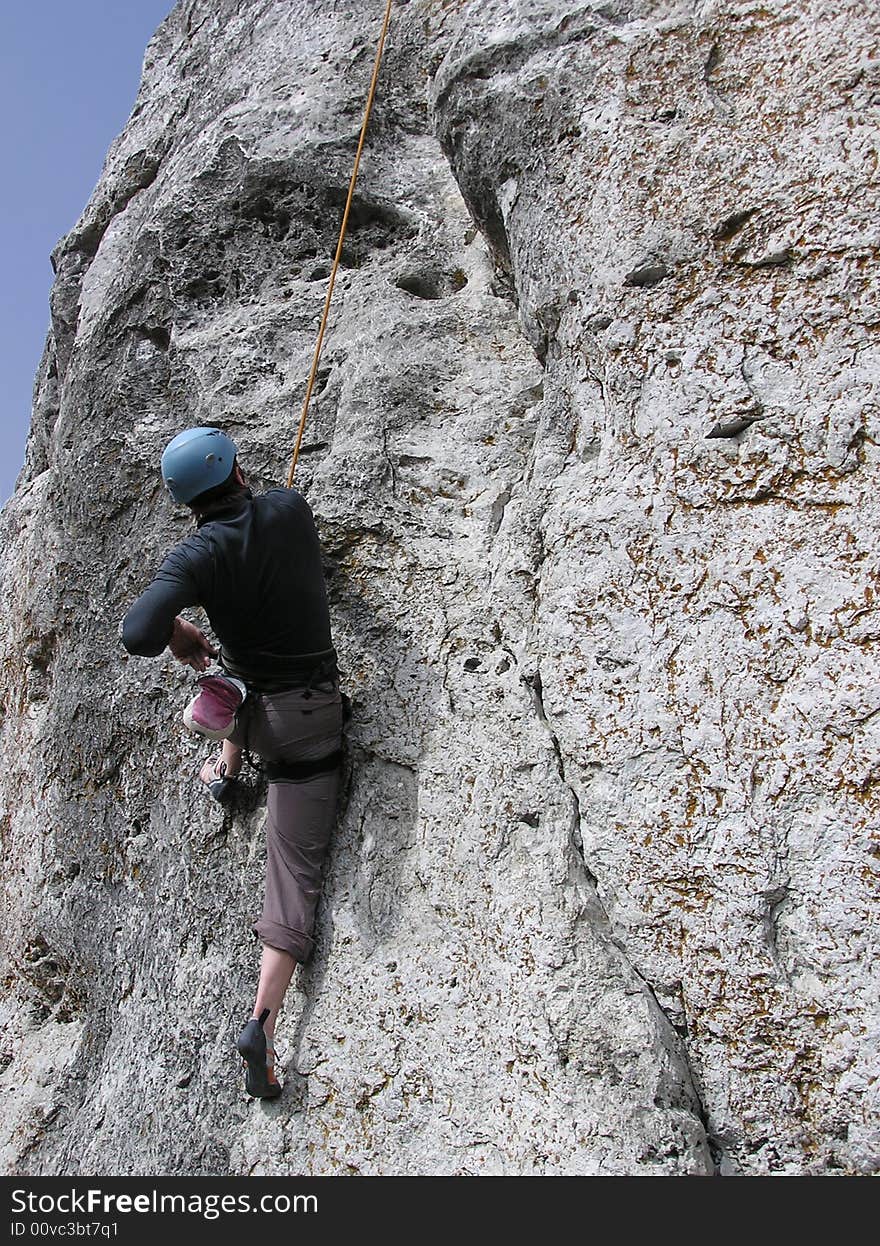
[197, 727]
[253, 1052]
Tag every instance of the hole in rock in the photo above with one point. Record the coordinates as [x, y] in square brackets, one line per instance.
[431, 283]
[159, 335]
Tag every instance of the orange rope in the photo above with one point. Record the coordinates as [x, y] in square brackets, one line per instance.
[357, 160]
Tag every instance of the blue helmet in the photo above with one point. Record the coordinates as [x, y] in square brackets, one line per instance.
[196, 460]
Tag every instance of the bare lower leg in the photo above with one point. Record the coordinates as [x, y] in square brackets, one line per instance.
[231, 754]
[276, 970]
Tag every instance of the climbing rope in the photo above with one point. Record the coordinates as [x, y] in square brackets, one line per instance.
[357, 160]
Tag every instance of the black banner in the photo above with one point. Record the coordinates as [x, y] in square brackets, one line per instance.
[134, 1209]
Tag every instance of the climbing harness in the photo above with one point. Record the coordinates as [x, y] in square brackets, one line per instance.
[295, 771]
[357, 160]
[301, 771]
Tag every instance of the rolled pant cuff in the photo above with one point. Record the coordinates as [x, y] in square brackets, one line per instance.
[299, 945]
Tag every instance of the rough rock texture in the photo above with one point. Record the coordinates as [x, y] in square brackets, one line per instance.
[600, 900]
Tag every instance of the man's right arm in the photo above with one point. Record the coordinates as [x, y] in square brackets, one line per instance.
[152, 623]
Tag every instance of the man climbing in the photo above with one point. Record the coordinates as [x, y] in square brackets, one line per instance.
[254, 565]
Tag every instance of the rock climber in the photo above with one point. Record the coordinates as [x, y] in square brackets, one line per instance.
[254, 565]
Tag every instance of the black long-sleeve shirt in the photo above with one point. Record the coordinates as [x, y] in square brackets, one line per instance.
[254, 565]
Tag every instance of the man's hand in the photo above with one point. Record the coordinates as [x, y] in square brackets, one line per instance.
[190, 645]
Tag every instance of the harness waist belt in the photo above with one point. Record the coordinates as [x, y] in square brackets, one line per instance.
[299, 771]
[271, 672]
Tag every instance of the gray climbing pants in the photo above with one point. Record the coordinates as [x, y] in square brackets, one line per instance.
[294, 726]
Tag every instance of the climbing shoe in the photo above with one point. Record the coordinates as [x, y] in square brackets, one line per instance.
[260, 1081]
[221, 785]
[212, 711]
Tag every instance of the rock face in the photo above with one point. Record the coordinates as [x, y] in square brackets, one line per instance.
[594, 462]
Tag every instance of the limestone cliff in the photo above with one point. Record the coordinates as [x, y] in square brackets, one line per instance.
[594, 462]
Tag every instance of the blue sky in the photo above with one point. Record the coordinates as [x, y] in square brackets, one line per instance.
[69, 73]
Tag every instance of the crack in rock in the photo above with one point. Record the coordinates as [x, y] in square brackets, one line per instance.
[534, 684]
